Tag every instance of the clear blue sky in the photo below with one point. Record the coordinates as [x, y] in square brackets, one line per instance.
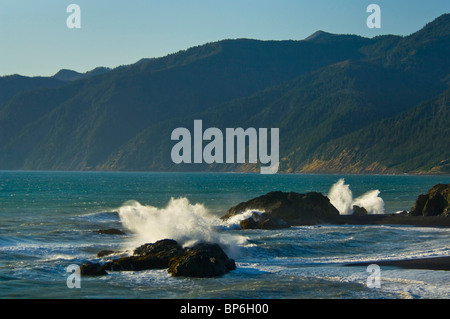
[34, 38]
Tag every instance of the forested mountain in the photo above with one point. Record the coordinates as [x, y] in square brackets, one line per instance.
[342, 103]
[416, 140]
[70, 75]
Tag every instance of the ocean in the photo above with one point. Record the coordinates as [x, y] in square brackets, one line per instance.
[48, 222]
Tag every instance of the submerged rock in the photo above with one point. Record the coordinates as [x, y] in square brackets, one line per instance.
[104, 253]
[293, 208]
[201, 260]
[436, 202]
[111, 231]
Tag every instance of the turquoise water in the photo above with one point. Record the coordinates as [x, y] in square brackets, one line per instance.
[48, 221]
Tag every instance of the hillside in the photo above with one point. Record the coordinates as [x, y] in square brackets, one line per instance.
[418, 141]
[343, 103]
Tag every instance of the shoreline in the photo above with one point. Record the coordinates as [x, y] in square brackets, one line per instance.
[394, 219]
[431, 263]
[399, 174]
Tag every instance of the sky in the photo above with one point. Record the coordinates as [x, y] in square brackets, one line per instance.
[36, 41]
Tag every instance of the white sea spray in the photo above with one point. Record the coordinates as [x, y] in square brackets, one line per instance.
[180, 220]
[341, 197]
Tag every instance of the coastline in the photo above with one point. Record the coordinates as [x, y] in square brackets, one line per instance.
[394, 219]
[433, 263]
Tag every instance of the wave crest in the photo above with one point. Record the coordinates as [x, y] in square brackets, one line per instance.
[341, 197]
[180, 220]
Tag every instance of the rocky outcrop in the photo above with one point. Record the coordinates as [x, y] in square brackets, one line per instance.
[263, 221]
[293, 208]
[436, 202]
[163, 248]
[104, 253]
[92, 269]
[201, 260]
[148, 256]
[359, 211]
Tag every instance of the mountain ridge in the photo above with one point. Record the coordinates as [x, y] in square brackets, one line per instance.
[318, 91]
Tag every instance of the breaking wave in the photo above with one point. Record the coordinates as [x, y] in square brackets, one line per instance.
[180, 220]
[341, 197]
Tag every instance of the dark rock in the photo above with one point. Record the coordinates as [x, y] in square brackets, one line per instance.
[273, 223]
[394, 219]
[164, 246]
[92, 269]
[104, 253]
[359, 211]
[293, 208]
[263, 221]
[136, 263]
[111, 231]
[436, 202]
[201, 260]
[148, 256]
[249, 223]
[433, 263]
